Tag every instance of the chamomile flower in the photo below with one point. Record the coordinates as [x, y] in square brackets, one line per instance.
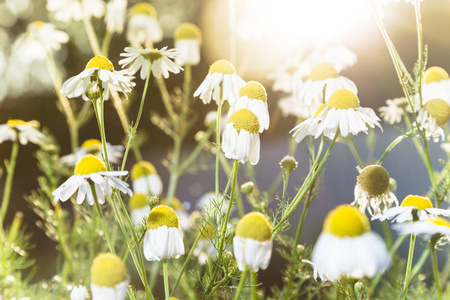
[139, 208]
[94, 147]
[343, 113]
[240, 138]
[67, 10]
[97, 77]
[372, 190]
[335, 54]
[143, 26]
[158, 60]
[221, 76]
[45, 35]
[435, 84]
[413, 208]
[188, 39]
[324, 78]
[115, 15]
[146, 179]
[434, 114]
[394, 110]
[90, 176]
[347, 247]
[109, 277]
[428, 228]
[252, 242]
[24, 131]
[163, 238]
[79, 292]
[253, 96]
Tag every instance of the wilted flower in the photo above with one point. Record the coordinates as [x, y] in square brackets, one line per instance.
[188, 39]
[394, 110]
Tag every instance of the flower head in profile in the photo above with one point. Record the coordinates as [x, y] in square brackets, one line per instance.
[347, 247]
[45, 35]
[116, 15]
[93, 181]
[96, 79]
[221, 77]
[68, 10]
[109, 277]
[158, 60]
[94, 147]
[434, 114]
[394, 110]
[188, 39]
[252, 243]
[163, 238]
[146, 179]
[435, 84]
[139, 208]
[143, 26]
[79, 292]
[437, 228]
[240, 138]
[24, 131]
[343, 113]
[372, 190]
[253, 96]
[413, 208]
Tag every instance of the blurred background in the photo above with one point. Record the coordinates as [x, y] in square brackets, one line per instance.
[257, 37]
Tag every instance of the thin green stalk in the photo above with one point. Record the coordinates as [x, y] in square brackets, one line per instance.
[219, 116]
[419, 47]
[237, 295]
[355, 152]
[166, 279]
[165, 97]
[285, 184]
[93, 41]
[197, 150]
[417, 268]
[106, 42]
[409, 264]
[102, 220]
[9, 180]
[387, 234]
[255, 285]
[391, 146]
[436, 273]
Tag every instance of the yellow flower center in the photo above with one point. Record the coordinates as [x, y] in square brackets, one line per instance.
[222, 66]
[439, 110]
[346, 221]
[137, 201]
[38, 24]
[100, 62]
[145, 9]
[13, 123]
[162, 215]
[320, 109]
[254, 90]
[89, 164]
[374, 180]
[420, 203]
[152, 55]
[142, 168]
[434, 74]
[187, 31]
[254, 226]
[323, 71]
[108, 270]
[91, 143]
[244, 119]
[440, 221]
[343, 99]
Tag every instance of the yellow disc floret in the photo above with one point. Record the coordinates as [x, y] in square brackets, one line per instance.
[346, 221]
[91, 143]
[143, 8]
[138, 201]
[108, 270]
[420, 203]
[222, 66]
[254, 226]
[343, 99]
[152, 55]
[254, 90]
[323, 71]
[38, 24]
[439, 110]
[100, 62]
[439, 221]
[89, 164]
[13, 123]
[142, 168]
[434, 74]
[162, 215]
[244, 119]
[187, 31]
[374, 180]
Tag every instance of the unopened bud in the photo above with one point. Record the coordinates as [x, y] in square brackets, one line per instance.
[288, 163]
[247, 188]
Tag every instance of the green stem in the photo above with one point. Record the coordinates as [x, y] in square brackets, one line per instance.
[254, 285]
[219, 116]
[391, 146]
[387, 234]
[106, 42]
[9, 179]
[166, 279]
[355, 152]
[165, 97]
[417, 268]
[409, 263]
[237, 295]
[102, 220]
[93, 41]
[419, 48]
[436, 273]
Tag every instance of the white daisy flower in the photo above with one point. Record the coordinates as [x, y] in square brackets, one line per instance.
[67, 10]
[240, 139]
[24, 131]
[40, 34]
[434, 114]
[393, 112]
[98, 76]
[372, 190]
[139, 208]
[163, 238]
[285, 74]
[413, 208]
[435, 84]
[188, 39]
[109, 277]
[221, 75]
[428, 228]
[252, 242]
[343, 113]
[146, 179]
[94, 147]
[143, 26]
[324, 78]
[90, 176]
[347, 247]
[116, 15]
[159, 61]
[79, 292]
[253, 96]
